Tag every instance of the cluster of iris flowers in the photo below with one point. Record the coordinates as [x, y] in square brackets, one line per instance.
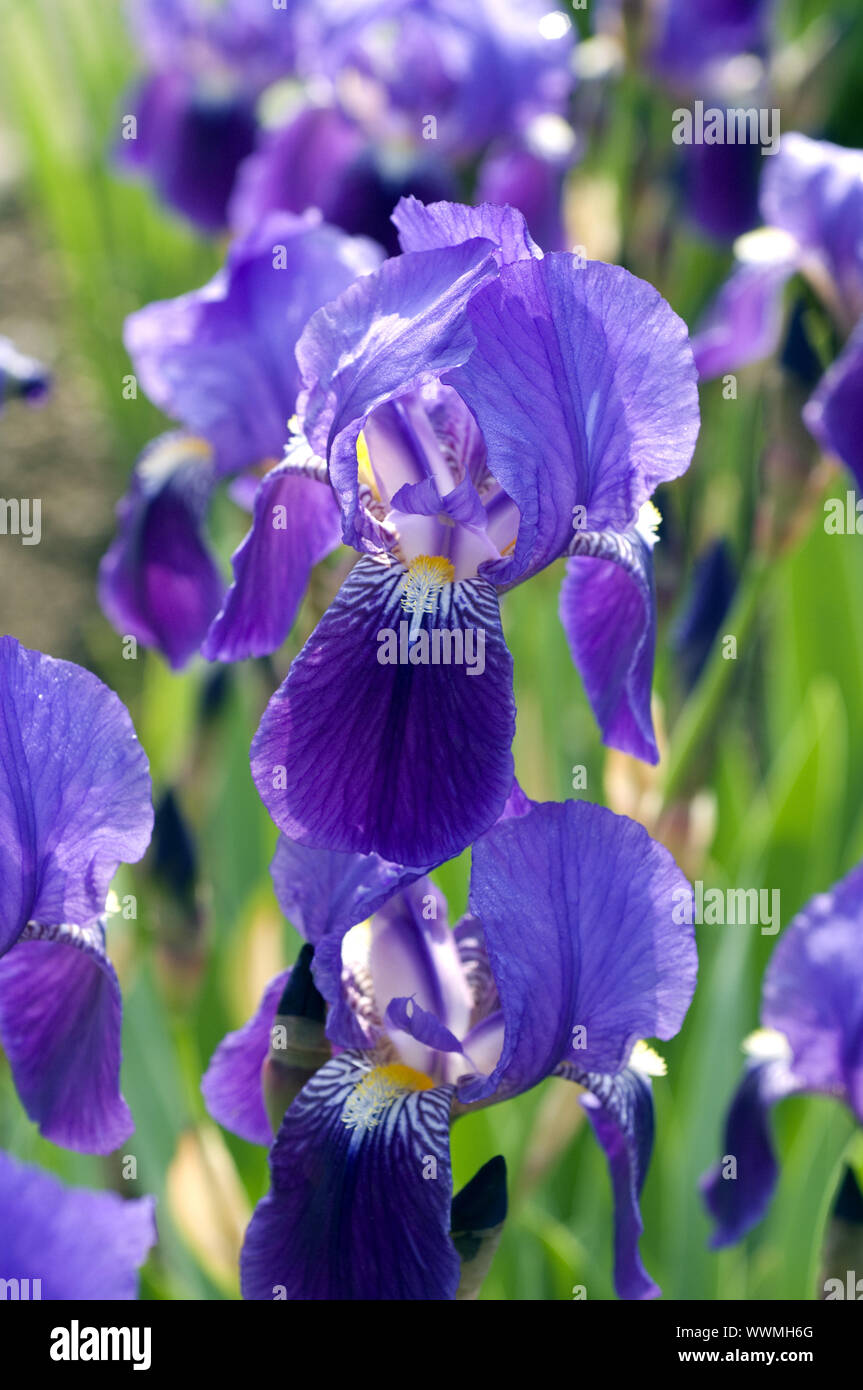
[397, 359]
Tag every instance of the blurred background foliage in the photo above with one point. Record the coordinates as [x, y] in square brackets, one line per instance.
[763, 756]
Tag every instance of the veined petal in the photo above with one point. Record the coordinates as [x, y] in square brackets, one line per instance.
[529, 173]
[608, 611]
[221, 359]
[353, 1210]
[737, 1197]
[158, 581]
[295, 524]
[60, 1021]
[407, 760]
[79, 1244]
[583, 385]
[231, 1085]
[423, 227]
[74, 791]
[603, 963]
[620, 1108]
[392, 331]
[323, 892]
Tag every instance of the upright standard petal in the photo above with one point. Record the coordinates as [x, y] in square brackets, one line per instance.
[295, 524]
[385, 742]
[608, 612]
[60, 1020]
[80, 1245]
[324, 892]
[158, 581]
[221, 359]
[354, 1211]
[74, 791]
[580, 910]
[583, 385]
[389, 333]
[423, 227]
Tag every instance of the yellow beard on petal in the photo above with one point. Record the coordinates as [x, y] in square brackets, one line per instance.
[374, 1094]
[423, 582]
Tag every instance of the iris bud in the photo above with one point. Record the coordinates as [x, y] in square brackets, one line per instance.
[298, 1041]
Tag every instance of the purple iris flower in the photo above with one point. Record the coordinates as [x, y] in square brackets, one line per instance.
[568, 957]
[221, 361]
[478, 411]
[812, 205]
[322, 158]
[74, 803]
[21, 377]
[407, 96]
[66, 1242]
[480, 71]
[811, 1042]
[195, 109]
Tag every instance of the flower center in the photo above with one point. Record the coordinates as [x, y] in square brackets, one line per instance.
[375, 1093]
[423, 582]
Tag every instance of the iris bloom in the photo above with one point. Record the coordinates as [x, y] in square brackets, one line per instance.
[74, 803]
[811, 1043]
[411, 95]
[76, 1244]
[567, 958]
[220, 360]
[812, 204]
[478, 411]
[225, 139]
[195, 107]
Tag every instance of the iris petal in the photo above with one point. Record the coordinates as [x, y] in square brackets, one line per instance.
[295, 524]
[410, 762]
[737, 1197]
[583, 385]
[81, 1245]
[359, 1202]
[604, 962]
[74, 791]
[60, 1018]
[158, 581]
[620, 1109]
[608, 611]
